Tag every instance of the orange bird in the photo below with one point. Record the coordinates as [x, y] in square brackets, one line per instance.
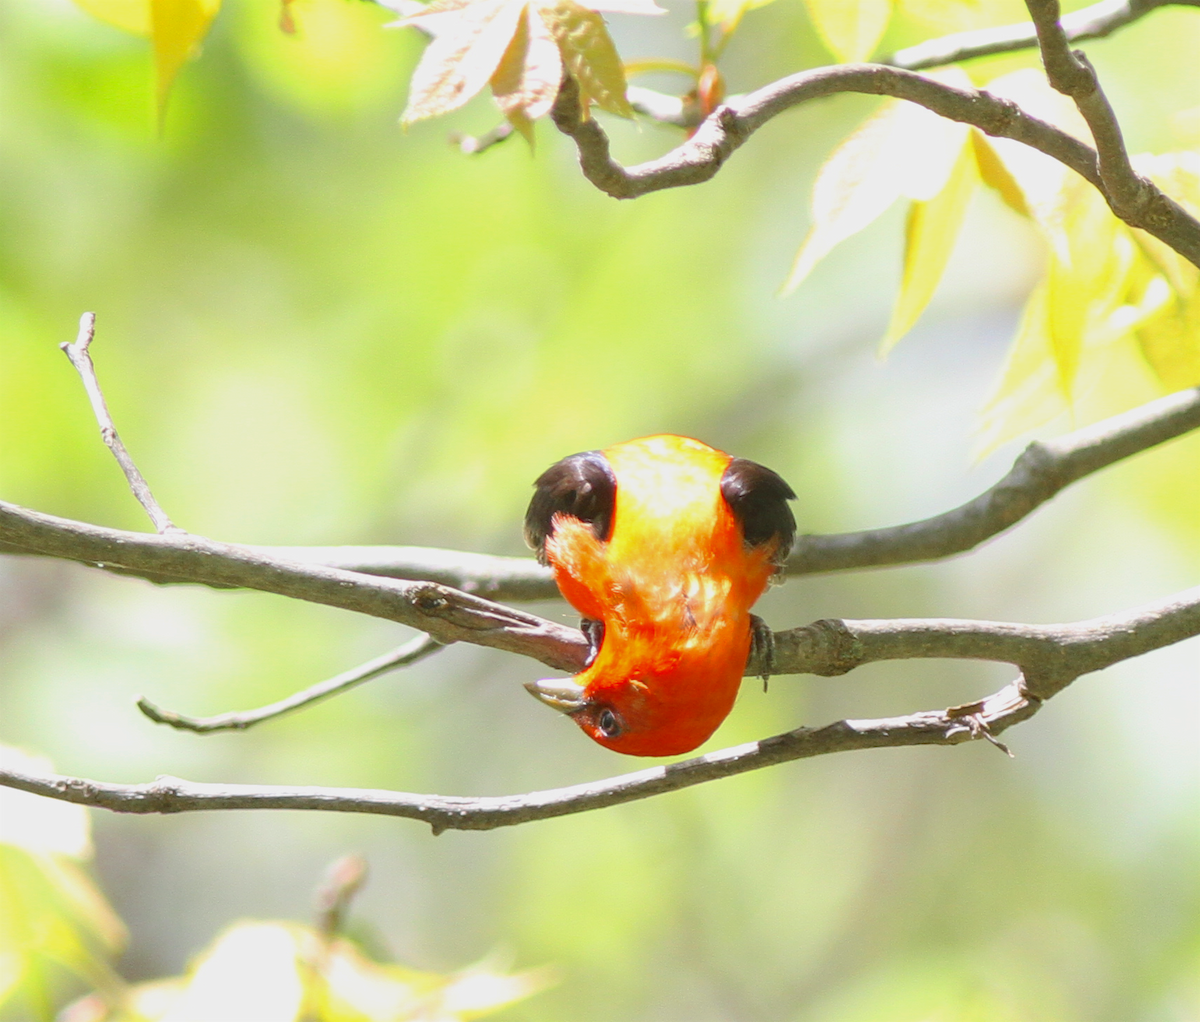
[663, 545]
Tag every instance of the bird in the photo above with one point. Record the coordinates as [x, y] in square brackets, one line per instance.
[662, 544]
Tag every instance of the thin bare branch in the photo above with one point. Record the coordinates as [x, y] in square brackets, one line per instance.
[81, 359]
[403, 656]
[731, 125]
[1057, 654]
[472, 145]
[1094, 22]
[443, 812]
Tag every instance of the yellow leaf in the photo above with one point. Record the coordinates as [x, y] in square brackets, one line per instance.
[728, 13]
[462, 57]
[996, 175]
[946, 15]
[1028, 394]
[588, 54]
[130, 15]
[526, 82]
[1170, 340]
[902, 150]
[933, 227]
[850, 28]
[177, 28]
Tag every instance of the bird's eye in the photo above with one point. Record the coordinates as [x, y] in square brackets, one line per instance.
[609, 724]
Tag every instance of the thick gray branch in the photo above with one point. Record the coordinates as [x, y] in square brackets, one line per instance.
[1092, 22]
[1037, 475]
[446, 614]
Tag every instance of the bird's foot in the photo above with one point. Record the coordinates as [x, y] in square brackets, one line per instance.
[762, 648]
[594, 633]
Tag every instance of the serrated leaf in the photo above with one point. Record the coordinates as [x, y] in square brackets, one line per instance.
[462, 57]
[903, 150]
[850, 28]
[588, 54]
[931, 232]
[177, 29]
[130, 15]
[526, 82]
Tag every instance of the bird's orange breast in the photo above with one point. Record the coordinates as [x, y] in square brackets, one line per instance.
[673, 585]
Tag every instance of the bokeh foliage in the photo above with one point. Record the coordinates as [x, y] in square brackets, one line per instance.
[315, 328]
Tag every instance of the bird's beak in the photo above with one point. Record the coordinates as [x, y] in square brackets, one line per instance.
[563, 694]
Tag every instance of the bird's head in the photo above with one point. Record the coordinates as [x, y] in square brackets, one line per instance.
[638, 714]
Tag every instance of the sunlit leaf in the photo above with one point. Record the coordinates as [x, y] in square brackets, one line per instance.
[588, 54]
[130, 15]
[526, 82]
[903, 150]
[284, 972]
[728, 13]
[996, 175]
[460, 60]
[932, 230]
[177, 28]
[850, 28]
[52, 916]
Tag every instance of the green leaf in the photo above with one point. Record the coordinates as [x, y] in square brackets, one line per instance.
[130, 15]
[932, 229]
[588, 54]
[177, 29]
[850, 28]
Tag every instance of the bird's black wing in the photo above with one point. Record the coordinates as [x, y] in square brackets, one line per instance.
[583, 486]
[759, 499]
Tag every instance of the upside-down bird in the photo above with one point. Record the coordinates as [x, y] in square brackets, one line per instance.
[663, 544]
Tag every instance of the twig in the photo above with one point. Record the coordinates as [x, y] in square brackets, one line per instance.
[1092, 22]
[1009, 706]
[1060, 654]
[403, 656]
[82, 361]
[731, 125]
[473, 145]
[1071, 73]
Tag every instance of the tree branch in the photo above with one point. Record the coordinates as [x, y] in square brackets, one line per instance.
[442, 812]
[1072, 74]
[731, 125]
[1094, 22]
[403, 656]
[81, 359]
[446, 614]
[1041, 471]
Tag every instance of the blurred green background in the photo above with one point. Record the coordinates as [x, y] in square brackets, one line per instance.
[313, 328]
